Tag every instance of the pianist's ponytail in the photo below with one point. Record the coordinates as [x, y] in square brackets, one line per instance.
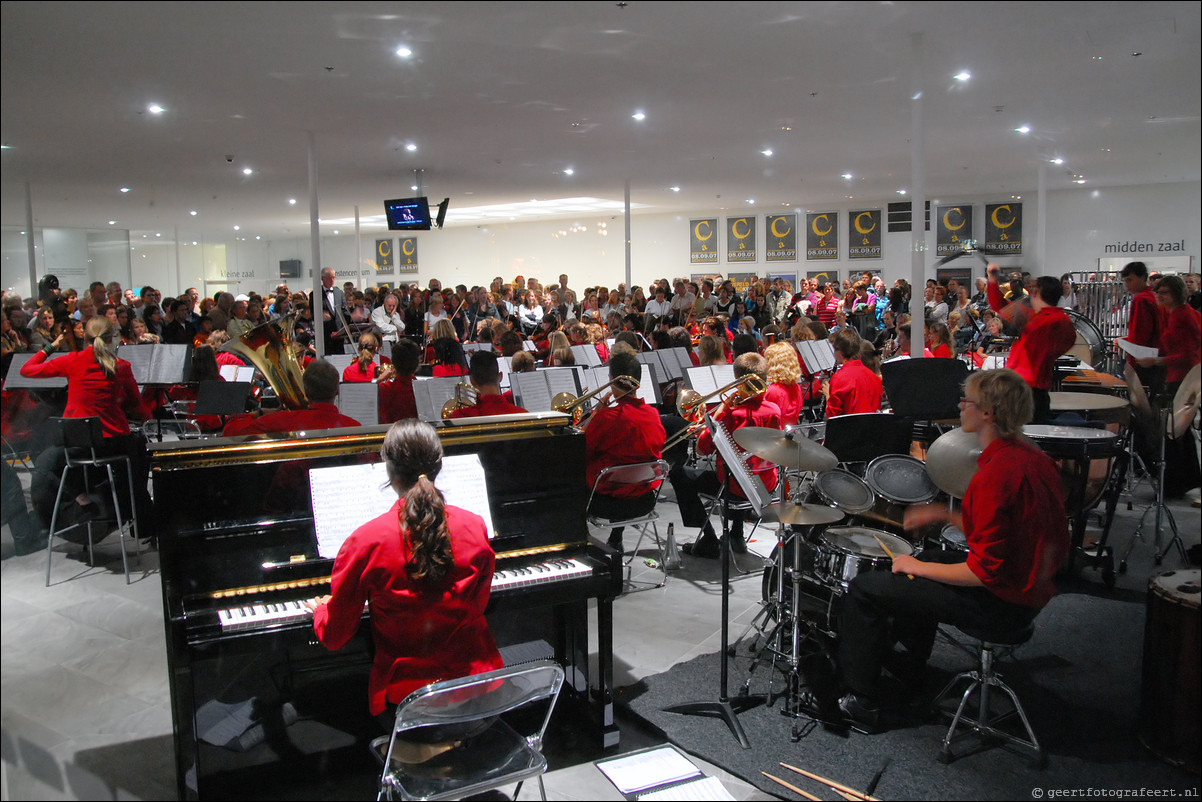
[412, 453]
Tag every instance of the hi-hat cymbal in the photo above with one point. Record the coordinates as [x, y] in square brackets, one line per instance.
[1185, 402]
[952, 461]
[802, 514]
[785, 449]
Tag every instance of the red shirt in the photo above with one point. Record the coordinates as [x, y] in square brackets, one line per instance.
[354, 374]
[1015, 522]
[825, 309]
[854, 389]
[449, 370]
[943, 350]
[624, 433]
[1049, 333]
[396, 400]
[90, 392]
[316, 416]
[756, 412]
[419, 636]
[790, 398]
[487, 405]
[1181, 342]
[1147, 321]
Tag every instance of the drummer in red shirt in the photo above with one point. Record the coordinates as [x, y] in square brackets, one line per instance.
[854, 388]
[1047, 335]
[485, 376]
[1017, 536]
[321, 388]
[624, 432]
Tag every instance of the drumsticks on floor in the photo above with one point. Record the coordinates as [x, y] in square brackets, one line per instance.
[842, 789]
[793, 788]
[886, 548]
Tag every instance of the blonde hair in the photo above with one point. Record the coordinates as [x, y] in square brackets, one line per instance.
[711, 350]
[368, 345]
[783, 364]
[522, 362]
[1004, 393]
[558, 340]
[443, 328]
[104, 336]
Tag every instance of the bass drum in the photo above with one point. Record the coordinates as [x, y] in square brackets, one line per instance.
[1090, 346]
[818, 603]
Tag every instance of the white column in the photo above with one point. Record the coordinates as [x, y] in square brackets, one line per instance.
[918, 234]
[29, 247]
[1041, 226]
[629, 281]
[315, 250]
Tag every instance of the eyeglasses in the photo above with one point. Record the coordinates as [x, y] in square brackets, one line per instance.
[966, 400]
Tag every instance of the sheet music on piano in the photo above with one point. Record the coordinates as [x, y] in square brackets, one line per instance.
[347, 496]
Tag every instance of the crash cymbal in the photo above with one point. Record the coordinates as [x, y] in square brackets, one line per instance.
[786, 449]
[1185, 402]
[1084, 402]
[802, 514]
[952, 461]
[1139, 399]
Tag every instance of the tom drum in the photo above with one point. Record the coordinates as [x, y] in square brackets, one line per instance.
[845, 552]
[898, 481]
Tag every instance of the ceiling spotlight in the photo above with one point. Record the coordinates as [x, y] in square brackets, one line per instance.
[638, 115]
[751, 201]
[155, 108]
[767, 151]
[193, 212]
[125, 189]
[1023, 129]
[847, 176]
[674, 189]
[292, 201]
[1056, 161]
[901, 192]
[569, 171]
[1079, 181]
[237, 228]
[962, 76]
[111, 223]
[404, 52]
[247, 171]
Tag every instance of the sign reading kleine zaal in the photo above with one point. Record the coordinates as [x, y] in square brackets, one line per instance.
[1004, 227]
[822, 235]
[781, 238]
[740, 240]
[408, 260]
[954, 226]
[864, 234]
[703, 240]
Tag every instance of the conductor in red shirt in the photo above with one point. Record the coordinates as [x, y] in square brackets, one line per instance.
[486, 378]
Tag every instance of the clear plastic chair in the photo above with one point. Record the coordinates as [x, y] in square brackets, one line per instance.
[495, 754]
[648, 476]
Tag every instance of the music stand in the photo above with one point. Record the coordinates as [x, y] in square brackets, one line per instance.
[924, 389]
[221, 398]
[756, 493]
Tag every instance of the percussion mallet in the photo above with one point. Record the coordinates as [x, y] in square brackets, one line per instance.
[886, 548]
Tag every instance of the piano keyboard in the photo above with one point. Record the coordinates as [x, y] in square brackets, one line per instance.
[264, 614]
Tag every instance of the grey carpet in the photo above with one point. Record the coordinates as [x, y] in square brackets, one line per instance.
[1078, 679]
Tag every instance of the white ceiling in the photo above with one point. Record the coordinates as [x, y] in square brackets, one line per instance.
[501, 98]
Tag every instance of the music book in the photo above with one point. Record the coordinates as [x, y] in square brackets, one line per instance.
[430, 394]
[361, 401]
[660, 772]
[347, 496]
[505, 365]
[648, 387]
[237, 373]
[469, 347]
[816, 355]
[157, 363]
[736, 466]
[586, 355]
[533, 391]
[708, 379]
[13, 380]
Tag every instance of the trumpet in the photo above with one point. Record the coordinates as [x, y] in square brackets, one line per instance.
[690, 404]
[465, 396]
[576, 407]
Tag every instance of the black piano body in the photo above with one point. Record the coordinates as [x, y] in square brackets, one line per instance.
[257, 704]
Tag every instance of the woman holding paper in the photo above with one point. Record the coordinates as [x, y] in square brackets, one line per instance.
[426, 569]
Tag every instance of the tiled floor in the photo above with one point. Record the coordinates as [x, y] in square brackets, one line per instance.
[83, 663]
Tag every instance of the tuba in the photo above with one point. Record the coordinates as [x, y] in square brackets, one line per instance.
[465, 396]
[268, 347]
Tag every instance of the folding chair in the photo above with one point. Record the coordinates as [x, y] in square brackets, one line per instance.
[647, 476]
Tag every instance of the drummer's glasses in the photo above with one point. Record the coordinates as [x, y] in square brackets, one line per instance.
[966, 400]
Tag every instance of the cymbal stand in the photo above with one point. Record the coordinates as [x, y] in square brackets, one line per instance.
[1159, 506]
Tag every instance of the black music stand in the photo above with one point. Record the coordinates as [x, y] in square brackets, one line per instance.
[221, 398]
[924, 389]
[757, 494]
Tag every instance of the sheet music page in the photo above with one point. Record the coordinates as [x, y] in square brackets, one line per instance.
[347, 496]
[586, 355]
[648, 769]
[735, 459]
[361, 401]
[340, 362]
[702, 790]
[168, 363]
[469, 347]
[561, 380]
[816, 355]
[702, 379]
[682, 358]
[649, 386]
[531, 391]
[670, 363]
[138, 357]
[723, 375]
[13, 379]
[244, 373]
[228, 372]
[1137, 351]
[421, 399]
[442, 390]
[505, 365]
[528, 345]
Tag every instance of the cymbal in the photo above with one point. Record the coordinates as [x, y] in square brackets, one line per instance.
[786, 449]
[1074, 402]
[802, 514]
[952, 461]
[1185, 402]
[1139, 399]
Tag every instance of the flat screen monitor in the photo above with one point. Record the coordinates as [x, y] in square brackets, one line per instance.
[408, 214]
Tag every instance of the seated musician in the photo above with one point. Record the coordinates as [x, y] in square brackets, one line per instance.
[396, 394]
[735, 412]
[854, 388]
[939, 340]
[1048, 334]
[364, 369]
[426, 569]
[486, 378]
[1014, 520]
[784, 375]
[320, 381]
[445, 352]
[622, 433]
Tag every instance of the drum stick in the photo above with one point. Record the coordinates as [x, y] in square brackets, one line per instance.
[793, 788]
[837, 786]
[886, 548]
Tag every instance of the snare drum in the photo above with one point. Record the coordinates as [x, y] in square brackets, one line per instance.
[898, 480]
[844, 552]
[952, 538]
[1085, 458]
[845, 490]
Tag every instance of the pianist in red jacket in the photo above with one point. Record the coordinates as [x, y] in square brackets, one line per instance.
[426, 569]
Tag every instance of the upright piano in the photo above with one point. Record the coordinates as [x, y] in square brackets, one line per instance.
[257, 704]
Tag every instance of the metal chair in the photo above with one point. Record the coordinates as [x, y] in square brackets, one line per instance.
[82, 437]
[647, 476]
[477, 758]
[987, 648]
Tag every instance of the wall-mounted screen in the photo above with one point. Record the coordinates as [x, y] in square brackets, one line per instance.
[407, 214]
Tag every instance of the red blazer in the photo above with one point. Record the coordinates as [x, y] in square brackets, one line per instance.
[790, 398]
[419, 636]
[1181, 343]
[354, 374]
[1048, 334]
[90, 392]
[620, 434]
[854, 389]
[316, 416]
[487, 405]
[396, 400]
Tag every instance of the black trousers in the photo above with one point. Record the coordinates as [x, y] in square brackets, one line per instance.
[619, 508]
[882, 608]
[688, 484]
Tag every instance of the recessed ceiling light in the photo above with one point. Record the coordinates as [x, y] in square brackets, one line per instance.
[247, 171]
[674, 189]
[767, 151]
[751, 201]
[158, 235]
[237, 228]
[155, 108]
[901, 192]
[786, 128]
[125, 189]
[847, 176]
[193, 212]
[335, 231]
[404, 52]
[962, 76]
[1079, 181]
[410, 147]
[111, 223]
[639, 115]
[1023, 129]
[292, 201]
[569, 171]
[1056, 161]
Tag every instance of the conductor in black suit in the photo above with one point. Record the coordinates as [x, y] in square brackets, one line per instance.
[334, 312]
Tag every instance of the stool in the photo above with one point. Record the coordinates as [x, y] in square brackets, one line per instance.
[990, 645]
[81, 437]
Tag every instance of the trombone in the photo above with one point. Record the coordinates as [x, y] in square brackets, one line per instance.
[465, 396]
[690, 404]
[576, 407]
